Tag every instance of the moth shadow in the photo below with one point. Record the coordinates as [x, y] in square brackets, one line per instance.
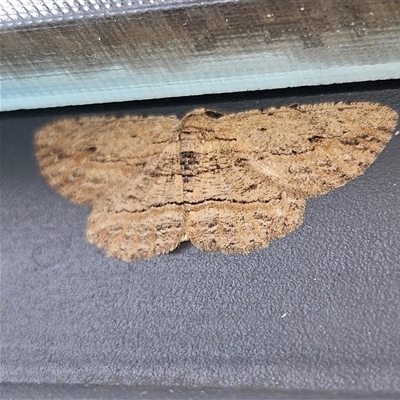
[184, 247]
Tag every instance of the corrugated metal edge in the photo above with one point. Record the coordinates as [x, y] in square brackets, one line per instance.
[199, 49]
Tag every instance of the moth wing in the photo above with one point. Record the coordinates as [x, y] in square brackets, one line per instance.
[142, 215]
[312, 149]
[240, 228]
[81, 158]
[232, 207]
[258, 167]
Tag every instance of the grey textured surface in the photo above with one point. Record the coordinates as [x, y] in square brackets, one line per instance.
[17, 391]
[317, 310]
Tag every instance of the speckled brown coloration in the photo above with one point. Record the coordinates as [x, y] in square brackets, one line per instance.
[227, 182]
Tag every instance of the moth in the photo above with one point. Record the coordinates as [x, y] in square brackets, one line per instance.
[226, 182]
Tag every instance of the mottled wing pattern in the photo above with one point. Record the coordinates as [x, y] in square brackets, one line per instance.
[128, 170]
[83, 157]
[312, 149]
[258, 167]
[143, 215]
[233, 207]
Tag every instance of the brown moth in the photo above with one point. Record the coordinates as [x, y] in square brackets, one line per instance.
[229, 182]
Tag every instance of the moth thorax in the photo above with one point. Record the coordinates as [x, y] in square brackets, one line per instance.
[189, 162]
